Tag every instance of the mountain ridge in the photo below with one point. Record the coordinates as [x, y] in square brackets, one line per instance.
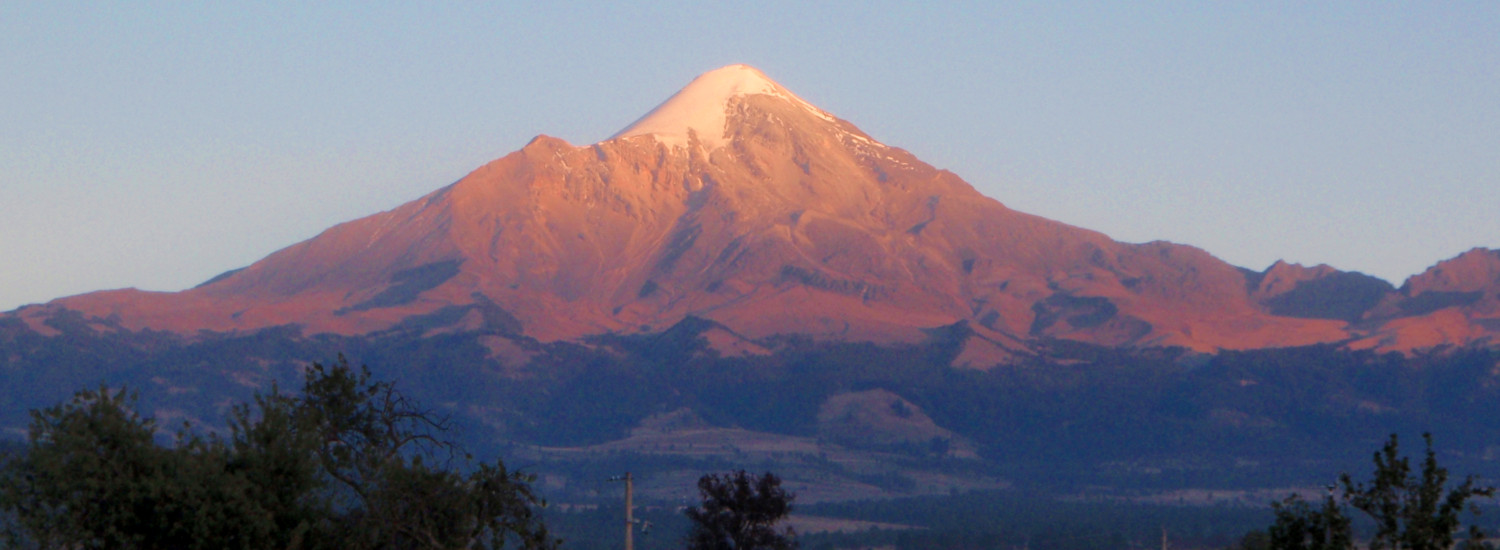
[737, 202]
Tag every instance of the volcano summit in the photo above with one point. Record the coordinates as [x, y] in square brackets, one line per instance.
[737, 203]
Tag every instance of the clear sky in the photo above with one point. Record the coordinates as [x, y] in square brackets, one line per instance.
[157, 144]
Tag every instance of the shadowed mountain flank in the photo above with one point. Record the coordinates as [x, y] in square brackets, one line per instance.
[1319, 292]
[408, 283]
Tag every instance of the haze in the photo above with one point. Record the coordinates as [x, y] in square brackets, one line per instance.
[154, 145]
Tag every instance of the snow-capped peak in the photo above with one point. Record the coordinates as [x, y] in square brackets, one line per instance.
[701, 106]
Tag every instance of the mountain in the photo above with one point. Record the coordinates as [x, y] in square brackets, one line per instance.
[740, 279]
[737, 202]
[1454, 303]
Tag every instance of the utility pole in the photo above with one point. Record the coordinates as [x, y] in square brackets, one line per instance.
[1164, 545]
[629, 509]
[629, 512]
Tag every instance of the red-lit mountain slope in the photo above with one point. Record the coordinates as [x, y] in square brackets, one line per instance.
[738, 202]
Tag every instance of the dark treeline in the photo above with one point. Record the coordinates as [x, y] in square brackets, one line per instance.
[1038, 521]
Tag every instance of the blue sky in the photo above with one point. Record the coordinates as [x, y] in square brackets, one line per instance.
[156, 144]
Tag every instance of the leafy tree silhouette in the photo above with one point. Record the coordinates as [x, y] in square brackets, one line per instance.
[1411, 510]
[740, 512]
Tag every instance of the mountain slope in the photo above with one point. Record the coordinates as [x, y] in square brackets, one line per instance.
[737, 202]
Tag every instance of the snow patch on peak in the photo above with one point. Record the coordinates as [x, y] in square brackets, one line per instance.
[701, 107]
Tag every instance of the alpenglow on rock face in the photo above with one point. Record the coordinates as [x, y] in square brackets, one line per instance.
[737, 202]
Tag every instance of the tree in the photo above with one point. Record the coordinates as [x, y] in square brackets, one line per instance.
[379, 448]
[349, 463]
[1417, 513]
[1301, 527]
[1410, 512]
[740, 512]
[92, 471]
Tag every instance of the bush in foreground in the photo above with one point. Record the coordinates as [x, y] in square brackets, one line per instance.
[348, 463]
